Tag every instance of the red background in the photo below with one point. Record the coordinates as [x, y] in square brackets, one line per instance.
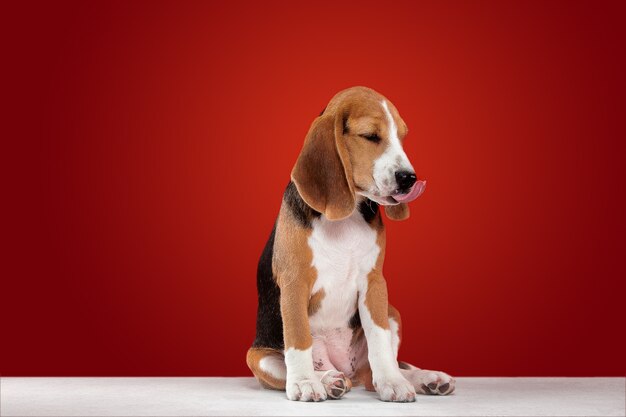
[146, 147]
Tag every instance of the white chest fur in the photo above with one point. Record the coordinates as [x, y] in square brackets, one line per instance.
[344, 252]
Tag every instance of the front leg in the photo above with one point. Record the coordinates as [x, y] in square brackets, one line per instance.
[302, 383]
[373, 309]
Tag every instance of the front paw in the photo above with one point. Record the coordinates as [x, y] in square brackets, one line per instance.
[396, 389]
[305, 389]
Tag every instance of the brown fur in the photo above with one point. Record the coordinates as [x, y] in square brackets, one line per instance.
[335, 161]
[253, 358]
[295, 277]
[322, 173]
[376, 296]
[363, 376]
[316, 301]
[334, 164]
[398, 212]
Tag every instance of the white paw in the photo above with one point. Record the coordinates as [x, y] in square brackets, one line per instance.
[305, 389]
[434, 382]
[396, 389]
[335, 383]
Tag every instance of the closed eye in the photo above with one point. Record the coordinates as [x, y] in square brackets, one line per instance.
[372, 137]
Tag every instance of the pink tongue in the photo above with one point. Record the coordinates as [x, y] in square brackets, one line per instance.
[417, 190]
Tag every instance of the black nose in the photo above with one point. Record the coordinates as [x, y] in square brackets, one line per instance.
[405, 180]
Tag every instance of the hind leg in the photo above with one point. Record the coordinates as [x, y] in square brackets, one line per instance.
[268, 366]
[428, 382]
[424, 381]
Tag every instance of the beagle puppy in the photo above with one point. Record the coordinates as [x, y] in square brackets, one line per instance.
[324, 323]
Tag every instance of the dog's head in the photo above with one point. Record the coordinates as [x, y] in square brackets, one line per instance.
[354, 148]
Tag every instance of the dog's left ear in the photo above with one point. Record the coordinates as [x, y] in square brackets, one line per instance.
[323, 172]
[398, 212]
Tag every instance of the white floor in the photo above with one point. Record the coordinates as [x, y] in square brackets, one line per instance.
[242, 396]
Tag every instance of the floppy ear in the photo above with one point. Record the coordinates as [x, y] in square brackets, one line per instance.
[398, 212]
[323, 173]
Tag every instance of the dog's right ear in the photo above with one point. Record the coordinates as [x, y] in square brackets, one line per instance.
[398, 212]
[323, 173]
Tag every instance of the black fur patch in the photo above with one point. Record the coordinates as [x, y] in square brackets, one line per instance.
[269, 322]
[323, 111]
[355, 321]
[300, 210]
[369, 210]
